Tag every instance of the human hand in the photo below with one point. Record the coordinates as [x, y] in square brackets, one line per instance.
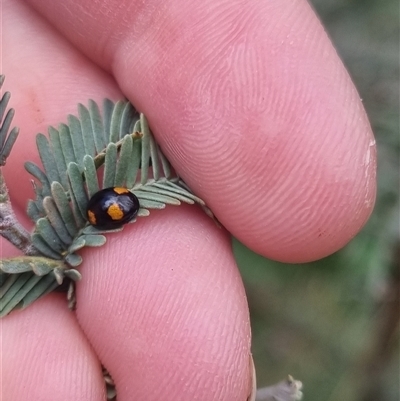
[255, 111]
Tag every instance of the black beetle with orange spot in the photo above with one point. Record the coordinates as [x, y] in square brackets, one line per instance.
[112, 207]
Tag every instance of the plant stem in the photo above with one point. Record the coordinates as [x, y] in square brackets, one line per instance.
[286, 390]
[10, 228]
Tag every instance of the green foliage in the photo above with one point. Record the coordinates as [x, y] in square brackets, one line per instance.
[116, 141]
[124, 148]
[7, 139]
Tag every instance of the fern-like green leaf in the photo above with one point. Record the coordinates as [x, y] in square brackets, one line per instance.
[129, 153]
[89, 170]
[25, 279]
[110, 165]
[7, 139]
[118, 142]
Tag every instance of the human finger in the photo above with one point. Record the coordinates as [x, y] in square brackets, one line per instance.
[164, 307]
[251, 104]
[45, 355]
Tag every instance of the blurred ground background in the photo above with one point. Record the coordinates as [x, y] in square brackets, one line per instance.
[334, 324]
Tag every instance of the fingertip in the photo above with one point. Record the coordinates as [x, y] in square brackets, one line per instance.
[45, 355]
[174, 324]
[262, 120]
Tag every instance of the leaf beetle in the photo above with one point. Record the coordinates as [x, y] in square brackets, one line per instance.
[111, 208]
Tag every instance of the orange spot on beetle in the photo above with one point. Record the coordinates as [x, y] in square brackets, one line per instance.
[115, 212]
[120, 190]
[91, 217]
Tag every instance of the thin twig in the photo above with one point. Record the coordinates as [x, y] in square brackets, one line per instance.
[10, 228]
[286, 390]
[100, 157]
